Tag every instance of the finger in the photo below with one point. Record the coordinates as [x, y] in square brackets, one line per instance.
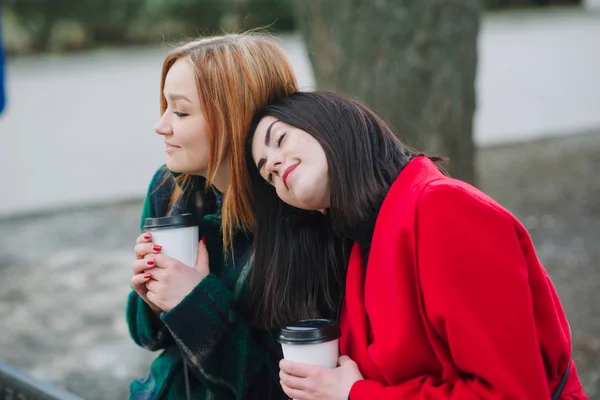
[297, 369]
[163, 261]
[144, 238]
[151, 285]
[152, 297]
[344, 360]
[286, 389]
[143, 249]
[137, 281]
[158, 274]
[139, 266]
[202, 257]
[291, 381]
[294, 394]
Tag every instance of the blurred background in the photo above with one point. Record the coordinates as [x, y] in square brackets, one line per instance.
[508, 89]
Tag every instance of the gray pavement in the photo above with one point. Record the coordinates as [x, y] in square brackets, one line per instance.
[66, 278]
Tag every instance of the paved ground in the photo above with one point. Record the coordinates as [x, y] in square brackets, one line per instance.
[65, 275]
[62, 299]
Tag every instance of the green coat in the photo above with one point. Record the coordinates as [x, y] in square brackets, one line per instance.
[226, 358]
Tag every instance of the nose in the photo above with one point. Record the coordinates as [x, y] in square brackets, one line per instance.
[163, 127]
[274, 162]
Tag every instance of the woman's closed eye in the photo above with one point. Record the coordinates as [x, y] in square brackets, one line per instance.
[280, 138]
[180, 114]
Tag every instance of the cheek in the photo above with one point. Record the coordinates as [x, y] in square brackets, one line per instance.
[313, 192]
[195, 151]
[191, 130]
[323, 165]
[198, 156]
[197, 144]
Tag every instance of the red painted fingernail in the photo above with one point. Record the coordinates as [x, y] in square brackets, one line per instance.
[147, 276]
[156, 247]
[150, 262]
[147, 236]
[204, 240]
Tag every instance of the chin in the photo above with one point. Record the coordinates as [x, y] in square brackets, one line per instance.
[304, 198]
[184, 169]
[180, 169]
[310, 203]
[174, 167]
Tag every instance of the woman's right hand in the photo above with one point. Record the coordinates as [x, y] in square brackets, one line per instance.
[142, 271]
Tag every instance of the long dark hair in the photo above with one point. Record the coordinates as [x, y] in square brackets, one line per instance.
[300, 256]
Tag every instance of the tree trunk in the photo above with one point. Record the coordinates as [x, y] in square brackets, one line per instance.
[412, 61]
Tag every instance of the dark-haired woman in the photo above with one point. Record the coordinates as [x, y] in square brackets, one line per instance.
[445, 297]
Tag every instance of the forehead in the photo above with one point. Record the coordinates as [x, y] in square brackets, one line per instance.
[258, 141]
[180, 77]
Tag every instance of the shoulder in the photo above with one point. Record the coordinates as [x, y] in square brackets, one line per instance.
[461, 232]
[458, 198]
[455, 213]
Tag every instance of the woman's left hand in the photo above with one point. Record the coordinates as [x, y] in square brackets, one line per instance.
[172, 280]
[311, 382]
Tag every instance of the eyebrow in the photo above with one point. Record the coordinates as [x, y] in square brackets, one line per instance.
[177, 96]
[262, 161]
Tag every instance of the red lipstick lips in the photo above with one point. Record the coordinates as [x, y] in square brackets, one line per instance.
[286, 173]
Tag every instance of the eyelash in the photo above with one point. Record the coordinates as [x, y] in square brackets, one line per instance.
[280, 139]
[278, 143]
[180, 114]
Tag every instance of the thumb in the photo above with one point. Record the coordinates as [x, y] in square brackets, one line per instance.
[343, 360]
[202, 258]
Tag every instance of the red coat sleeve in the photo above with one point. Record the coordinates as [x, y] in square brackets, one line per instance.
[476, 297]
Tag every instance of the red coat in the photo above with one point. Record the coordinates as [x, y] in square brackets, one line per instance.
[454, 303]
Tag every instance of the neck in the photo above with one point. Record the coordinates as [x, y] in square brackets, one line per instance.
[221, 180]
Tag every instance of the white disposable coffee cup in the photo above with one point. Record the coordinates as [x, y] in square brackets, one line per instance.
[178, 236]
[311, 341]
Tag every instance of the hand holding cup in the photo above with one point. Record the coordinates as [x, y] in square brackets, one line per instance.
[164, 255]
[142, 271]
[311, 368]
[171, 280]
